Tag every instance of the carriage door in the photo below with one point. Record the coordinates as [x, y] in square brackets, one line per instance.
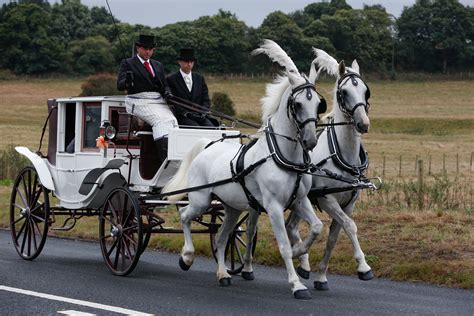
[65, 179]
[89, 156]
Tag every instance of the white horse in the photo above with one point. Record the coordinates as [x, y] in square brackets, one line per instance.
[275, 165]
[339, 151]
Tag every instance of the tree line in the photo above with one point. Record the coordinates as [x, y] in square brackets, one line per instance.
[37, 38]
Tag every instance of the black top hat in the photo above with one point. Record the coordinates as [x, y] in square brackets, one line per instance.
[186, 54]
[146, 41]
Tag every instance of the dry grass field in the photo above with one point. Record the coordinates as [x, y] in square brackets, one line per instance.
[409, 119]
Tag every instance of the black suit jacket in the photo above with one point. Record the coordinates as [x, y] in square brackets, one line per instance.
[199, 93]
[142, 79]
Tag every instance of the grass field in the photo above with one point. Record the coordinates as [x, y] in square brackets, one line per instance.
[409, 119]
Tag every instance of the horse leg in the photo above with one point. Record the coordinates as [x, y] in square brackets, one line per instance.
[230, 219]
[196, 207]
[341, 220]
[304, 210]
[247, 270]
[304, 268]
[321, 282]
[364, 271]
[275, 213]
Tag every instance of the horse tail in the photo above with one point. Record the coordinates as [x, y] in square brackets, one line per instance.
[180, 179]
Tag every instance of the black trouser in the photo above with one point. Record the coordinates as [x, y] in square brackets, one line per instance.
[162, 148]
[194, 119]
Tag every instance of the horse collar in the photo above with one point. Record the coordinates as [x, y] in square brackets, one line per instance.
[278, 157]
[335, 154]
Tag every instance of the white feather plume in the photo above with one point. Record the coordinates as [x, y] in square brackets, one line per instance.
[326, 62]
[276, 54]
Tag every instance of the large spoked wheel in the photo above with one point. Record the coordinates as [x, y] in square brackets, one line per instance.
[120, 231]
[236, 244]
[29, 214]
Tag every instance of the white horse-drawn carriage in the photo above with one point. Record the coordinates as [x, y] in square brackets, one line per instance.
[101, 162]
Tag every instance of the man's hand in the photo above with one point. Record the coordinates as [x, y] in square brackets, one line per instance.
[129, 78]
[167, 94]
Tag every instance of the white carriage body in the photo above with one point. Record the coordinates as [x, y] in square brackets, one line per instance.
[72, 152]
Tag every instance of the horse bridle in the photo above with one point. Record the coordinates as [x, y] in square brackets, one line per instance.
[307, 86]
[340, 98]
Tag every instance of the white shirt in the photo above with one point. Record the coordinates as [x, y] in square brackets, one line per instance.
[188, 79]
[143, 63]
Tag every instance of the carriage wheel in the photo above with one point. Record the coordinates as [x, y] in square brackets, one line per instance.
[29, 214]
[236, 245]
[120, 231]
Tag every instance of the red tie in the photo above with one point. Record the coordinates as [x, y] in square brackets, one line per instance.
[147, 66]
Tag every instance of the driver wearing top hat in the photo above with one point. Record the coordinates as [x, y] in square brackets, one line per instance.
[147, 88]
[190, 86]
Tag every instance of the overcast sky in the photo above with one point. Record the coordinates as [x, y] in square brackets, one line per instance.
[161, 12]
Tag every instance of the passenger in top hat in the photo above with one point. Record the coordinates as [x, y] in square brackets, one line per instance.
[190, 86]
[147, 89]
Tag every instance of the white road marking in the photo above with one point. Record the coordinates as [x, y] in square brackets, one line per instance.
[74, 301]
[75, 313]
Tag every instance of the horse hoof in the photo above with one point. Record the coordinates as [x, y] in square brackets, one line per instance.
[302, 295]
[321, 286]
[225, 282]
[183, 265]
[247, 275]
[366, 276]
[303, 273]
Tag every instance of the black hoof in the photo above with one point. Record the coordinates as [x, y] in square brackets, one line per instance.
[225, 282]
[303, 273]
[247, 275]
[366, 276]
[302, 295]
[321, 286]
[183, 265]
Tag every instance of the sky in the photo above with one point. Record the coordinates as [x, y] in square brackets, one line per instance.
[157, 13]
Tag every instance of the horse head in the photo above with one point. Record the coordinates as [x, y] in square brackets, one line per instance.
[300, 96]
[352, 93]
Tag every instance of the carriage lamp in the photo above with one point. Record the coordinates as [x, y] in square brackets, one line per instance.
[106, 130]
[110, 132]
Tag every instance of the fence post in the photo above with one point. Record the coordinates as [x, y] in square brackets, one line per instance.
[383, 167]
[470, 165]
[416, 162]
[457, 163]
[429, 167]
[420, 185]
[444, 163]
[400, 167]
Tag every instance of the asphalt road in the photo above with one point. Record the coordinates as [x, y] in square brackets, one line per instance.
[69, 277]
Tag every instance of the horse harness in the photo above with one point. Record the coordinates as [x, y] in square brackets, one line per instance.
[275, 151]
[334, 149]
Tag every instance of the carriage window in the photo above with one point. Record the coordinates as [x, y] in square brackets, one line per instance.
[70, 127]
[91, 123]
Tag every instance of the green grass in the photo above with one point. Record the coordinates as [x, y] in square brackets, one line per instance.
[423, 126]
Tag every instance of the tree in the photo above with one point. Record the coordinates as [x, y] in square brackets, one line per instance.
[71, 21]
[434, 35]
[26, 43]
[90, 56]
[364, 35]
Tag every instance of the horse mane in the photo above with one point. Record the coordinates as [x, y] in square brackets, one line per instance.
[274, 93]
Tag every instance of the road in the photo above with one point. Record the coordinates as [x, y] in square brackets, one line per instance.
[69, 277]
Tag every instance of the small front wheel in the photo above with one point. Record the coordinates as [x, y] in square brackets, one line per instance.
[120, 231]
